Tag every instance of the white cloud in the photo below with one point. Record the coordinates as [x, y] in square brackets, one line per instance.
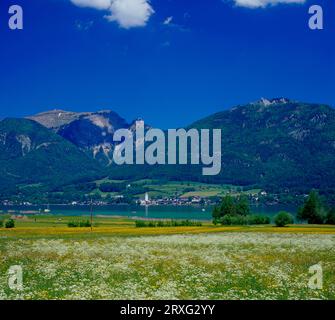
[96, 4]
[168, 20]
[130, 13]
[127, 13]
[264, 3]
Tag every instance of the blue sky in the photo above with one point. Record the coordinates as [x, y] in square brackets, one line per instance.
[170, 62]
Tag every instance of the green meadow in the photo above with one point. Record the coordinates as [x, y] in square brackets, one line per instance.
[183, 189]
[116, 260]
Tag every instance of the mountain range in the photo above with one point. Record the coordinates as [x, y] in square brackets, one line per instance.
[276, 144]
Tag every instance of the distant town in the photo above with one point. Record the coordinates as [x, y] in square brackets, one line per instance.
[257, 198]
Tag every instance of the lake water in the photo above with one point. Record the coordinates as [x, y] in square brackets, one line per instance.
[158, 212]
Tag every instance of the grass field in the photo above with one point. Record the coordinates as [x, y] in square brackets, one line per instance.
[118, 261]
[173, 188]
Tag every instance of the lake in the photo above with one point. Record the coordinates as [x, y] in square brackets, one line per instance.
[157, 212]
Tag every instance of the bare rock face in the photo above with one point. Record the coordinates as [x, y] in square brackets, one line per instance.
[92, 132]
[55, 119]
[25, 142]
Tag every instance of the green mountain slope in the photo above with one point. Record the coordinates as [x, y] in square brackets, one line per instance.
[274, 144]
[30, 154]
[277, 144]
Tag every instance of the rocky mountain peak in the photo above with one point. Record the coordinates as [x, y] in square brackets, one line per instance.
[268, 102]
[55, 119]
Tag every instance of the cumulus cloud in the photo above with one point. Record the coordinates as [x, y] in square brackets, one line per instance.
[130, 13]
[264, 3]
[127, 13]
[96, 4]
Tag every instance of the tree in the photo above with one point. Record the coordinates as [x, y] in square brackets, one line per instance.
[312, 210]
[230, 208]
[242, 206]
[331, 216]
[216, 215]
[227, 206]
[283, 218]
[10, 224]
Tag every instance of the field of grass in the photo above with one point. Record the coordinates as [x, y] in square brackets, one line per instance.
[173, 188]
[116, 260]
